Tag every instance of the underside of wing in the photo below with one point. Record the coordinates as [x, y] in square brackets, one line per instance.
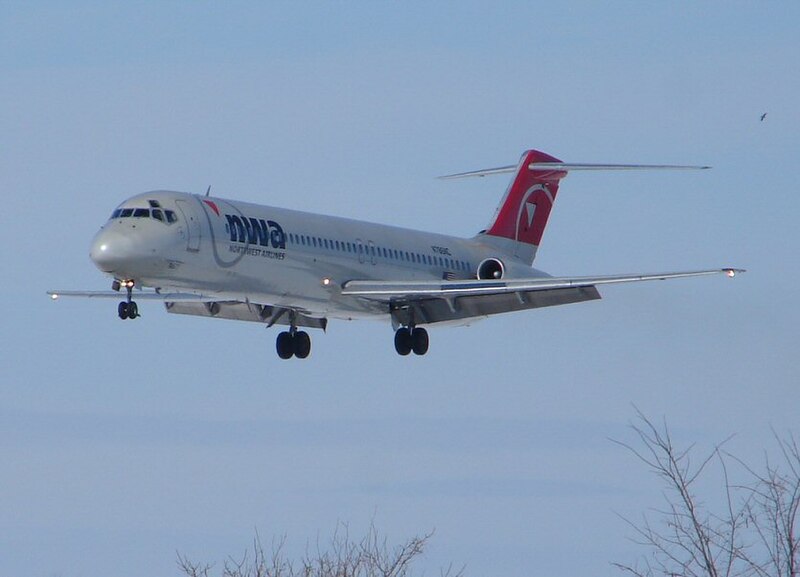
[242, 311]
[410, 310]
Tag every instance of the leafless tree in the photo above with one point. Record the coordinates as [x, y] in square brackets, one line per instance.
[772, 511]
[754, 534]
[370, 556]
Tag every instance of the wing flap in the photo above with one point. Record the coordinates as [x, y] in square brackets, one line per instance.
[427, 310]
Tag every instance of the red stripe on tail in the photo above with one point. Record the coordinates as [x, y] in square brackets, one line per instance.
[523, 212]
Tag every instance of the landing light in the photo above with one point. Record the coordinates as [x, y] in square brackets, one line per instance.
[730, 272]
[54, 296]
[326, 281]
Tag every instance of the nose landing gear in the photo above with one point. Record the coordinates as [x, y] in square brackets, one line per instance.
[127, 309]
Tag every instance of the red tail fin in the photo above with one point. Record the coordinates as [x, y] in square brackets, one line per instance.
[523, 212]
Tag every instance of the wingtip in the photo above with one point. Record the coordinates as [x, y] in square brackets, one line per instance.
[732, 272]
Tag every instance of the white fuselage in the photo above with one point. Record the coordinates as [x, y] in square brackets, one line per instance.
[248, 252]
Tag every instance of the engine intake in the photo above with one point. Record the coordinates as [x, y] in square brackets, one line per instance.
[491, 269]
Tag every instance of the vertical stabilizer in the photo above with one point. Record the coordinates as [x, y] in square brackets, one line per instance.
[522, 216]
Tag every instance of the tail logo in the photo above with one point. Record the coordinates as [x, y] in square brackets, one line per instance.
[533, 203]
[212, 205]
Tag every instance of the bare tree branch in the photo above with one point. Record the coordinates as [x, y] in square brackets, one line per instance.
[755, 535]
[372, 556]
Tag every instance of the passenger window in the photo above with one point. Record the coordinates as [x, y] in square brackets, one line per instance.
[158, 215]
[171, 216]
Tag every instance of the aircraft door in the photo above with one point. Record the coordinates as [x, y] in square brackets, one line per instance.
[192, 223]
[371, 251]
[360, 250]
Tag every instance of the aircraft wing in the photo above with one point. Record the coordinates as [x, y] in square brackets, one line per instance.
[137, 295]
[447, 289]
[437, 301]
[210, 306]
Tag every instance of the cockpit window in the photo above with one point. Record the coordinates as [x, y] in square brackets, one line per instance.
[167, 216]
[154, 204]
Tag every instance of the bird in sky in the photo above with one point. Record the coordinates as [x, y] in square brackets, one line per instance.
[763, 116]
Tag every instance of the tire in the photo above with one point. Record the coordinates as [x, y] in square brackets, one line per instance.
[284, 345]
[133, 310]
[420, 341]
[122, 310]
[402, 341]
[302, 344]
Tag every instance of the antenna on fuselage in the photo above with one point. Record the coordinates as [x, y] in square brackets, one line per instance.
[208, 190]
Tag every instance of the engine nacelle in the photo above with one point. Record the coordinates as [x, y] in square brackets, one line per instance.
[491, 269]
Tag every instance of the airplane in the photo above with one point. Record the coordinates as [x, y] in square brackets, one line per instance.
[213, 257]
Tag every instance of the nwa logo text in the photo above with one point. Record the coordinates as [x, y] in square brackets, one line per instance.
[255, 231]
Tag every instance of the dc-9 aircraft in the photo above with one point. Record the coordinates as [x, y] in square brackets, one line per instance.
[212, 257]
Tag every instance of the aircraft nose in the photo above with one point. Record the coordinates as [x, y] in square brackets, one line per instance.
[111, 251]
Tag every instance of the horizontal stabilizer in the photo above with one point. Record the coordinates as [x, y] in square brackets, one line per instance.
[568, 167]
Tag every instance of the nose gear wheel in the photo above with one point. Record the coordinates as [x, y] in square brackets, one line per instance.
[127, 309]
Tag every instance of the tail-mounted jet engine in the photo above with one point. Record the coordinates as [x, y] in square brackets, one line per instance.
[491, 269]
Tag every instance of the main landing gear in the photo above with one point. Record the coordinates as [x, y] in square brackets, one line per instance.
[127, 309]
[293, 343]
[408, 339]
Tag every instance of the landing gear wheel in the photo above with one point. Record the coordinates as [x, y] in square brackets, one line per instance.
[419, 341]
[403, 342]
[302, 344]
[285, 345]
[133, 310]
[122, 310]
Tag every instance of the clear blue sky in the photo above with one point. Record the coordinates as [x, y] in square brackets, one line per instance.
[121, 443]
